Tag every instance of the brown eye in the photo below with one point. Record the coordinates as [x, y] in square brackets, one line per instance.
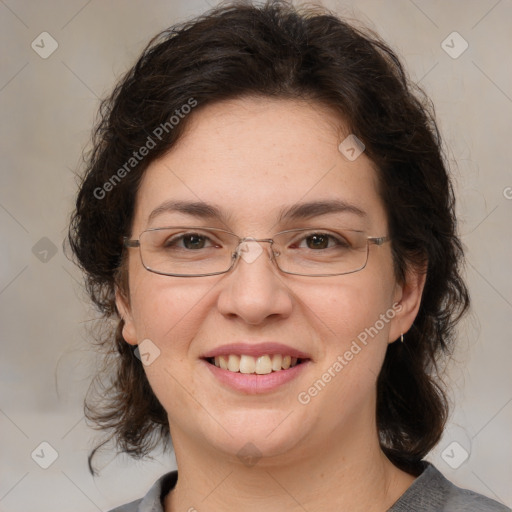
[194, 241]
[189, 241]
[318, 241]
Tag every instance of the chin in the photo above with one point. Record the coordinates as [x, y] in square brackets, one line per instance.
[259, 435]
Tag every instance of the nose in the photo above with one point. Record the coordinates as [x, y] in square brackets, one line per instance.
[254, 290]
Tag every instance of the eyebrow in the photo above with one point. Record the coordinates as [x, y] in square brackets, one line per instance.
[195, 209]
[299, 211]
[311, 209]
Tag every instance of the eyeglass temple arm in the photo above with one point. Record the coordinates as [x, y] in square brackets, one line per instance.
[379, 240]
[130, 243]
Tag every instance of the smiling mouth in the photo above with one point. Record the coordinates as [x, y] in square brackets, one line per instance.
[261, 365]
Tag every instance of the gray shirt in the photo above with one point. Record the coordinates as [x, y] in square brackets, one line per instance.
[430, 492]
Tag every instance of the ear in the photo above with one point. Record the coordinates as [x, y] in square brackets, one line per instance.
[407, 298]
[124, 309]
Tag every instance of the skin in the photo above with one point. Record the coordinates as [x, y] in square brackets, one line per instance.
[250, 158]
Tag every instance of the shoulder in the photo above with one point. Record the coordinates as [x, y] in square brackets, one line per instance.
[432, 492]
[152, 501]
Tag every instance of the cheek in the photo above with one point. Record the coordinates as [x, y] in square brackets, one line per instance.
[168, 311]
[344, 309]
[169, 314]
[343, 316]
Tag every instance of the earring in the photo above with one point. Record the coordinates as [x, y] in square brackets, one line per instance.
[402, 337]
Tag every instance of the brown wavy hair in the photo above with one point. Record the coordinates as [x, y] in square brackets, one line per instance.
[276, 50]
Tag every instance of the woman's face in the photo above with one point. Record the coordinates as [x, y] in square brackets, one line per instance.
[252, 160]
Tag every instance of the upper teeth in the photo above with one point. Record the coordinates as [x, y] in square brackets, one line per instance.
[259, 365]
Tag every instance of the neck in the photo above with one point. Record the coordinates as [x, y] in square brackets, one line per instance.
[352, 476]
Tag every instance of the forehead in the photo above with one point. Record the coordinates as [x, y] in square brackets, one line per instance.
[254, 158]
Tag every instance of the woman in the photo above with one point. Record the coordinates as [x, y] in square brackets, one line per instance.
[267, 216]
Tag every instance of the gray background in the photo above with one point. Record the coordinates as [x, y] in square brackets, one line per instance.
[48, 107]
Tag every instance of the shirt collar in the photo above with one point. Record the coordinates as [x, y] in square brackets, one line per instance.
[153, 500]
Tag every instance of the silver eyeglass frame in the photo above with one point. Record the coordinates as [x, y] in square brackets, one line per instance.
[132, 243]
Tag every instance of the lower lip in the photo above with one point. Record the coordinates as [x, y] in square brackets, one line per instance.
[255, 384]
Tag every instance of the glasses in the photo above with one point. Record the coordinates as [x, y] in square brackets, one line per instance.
[184, 251]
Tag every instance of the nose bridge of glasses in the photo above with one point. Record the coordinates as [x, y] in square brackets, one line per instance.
[249, 248]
